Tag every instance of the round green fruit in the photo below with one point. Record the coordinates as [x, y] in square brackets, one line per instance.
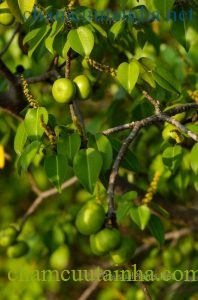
[125, 252]
[63, 90]
[60, 258]
[6, 18]
[105, 241]
[90, 218]
[18, 249]
[83, 87]
[8, 236]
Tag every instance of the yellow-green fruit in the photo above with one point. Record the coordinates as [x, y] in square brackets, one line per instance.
[63, 90]
[90, 218]
[8, 236]
[83, 87]
[6, 18]
[105, 241]
[125, 251]
[60, 258]
[18, 249]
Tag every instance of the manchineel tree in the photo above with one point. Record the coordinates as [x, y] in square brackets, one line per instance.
[98, 149]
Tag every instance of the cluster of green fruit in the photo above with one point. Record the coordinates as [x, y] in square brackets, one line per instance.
[6, 18]
[8, 239]
[90, 221]
[64, 90]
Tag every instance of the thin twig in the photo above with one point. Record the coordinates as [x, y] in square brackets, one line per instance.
[43, 77]
[154, 102]
[136, 128]
[169, 112]
[91, 288]
[46, 194]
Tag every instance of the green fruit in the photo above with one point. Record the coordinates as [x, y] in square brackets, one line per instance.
[105, 241]
[125, 252]
[90, 218]
[60, 258]
[6, 18]
[19, 249]
[63, 90]
[83, 87]
[8, 236]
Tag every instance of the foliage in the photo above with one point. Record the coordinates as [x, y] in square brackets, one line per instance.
[130, 149]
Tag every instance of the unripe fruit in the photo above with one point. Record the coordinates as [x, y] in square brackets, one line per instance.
[90, 218]
[8, 236]
[125, 252]
[83, 87]
[6, 18]
[105, 241]
[63, 90]
[17, 250]
[60, 258]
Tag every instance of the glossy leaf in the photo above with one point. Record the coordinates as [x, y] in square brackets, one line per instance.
[56, 28]
[69, 145]
[127, 75]
[56, 169]
[194, 158]
[129, 161]
[163, 6]
[156, 228]
[20, 138]
[28, 155]
[105, 149]
[166, 80]
[116, 30]
[35, 37]
[123, 210]
[172, 157]
[81, 40]
[140, 215]
[87, 167]
[15, 10]
[32, 122]
[25, 5]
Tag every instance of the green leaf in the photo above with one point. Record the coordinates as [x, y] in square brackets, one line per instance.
[105, 149]
[28, 154]
[87, 167]
[32, 122]
[162, 6]
[99, 29]
[129, 196]
[129, 161]
[20, 139]
[115, 30]
[179, 29]
[35, 37]
[166, 80]
[56, 169]
[172, 157]
[194, 159]
[156, 228]
[81, 40]
[56, 28]
[69, 145]
[127, 75]
[146, 75]
[25, 5]
[140, 215]
[15, 10]
[123, 210]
